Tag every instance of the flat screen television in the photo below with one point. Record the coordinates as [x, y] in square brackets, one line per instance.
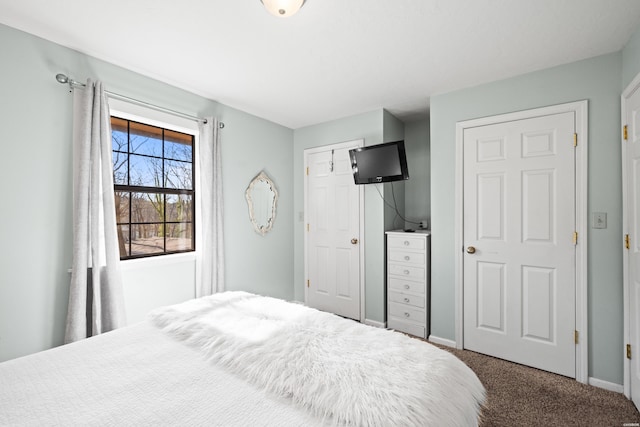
[379, 163]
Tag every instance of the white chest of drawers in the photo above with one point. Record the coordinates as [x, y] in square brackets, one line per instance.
[408, 282]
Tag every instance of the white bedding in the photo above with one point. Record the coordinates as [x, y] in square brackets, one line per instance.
[141, 375]
[134, 376]
[337, 368]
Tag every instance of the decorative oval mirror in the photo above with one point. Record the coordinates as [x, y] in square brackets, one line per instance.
[262, 198]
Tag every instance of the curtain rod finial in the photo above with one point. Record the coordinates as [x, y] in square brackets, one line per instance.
[61, 78]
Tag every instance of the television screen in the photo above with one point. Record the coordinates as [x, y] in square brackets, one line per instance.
[379, 163]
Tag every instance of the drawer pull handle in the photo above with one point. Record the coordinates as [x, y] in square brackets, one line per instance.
[406, 314]
[407, 286]
[406, 243]
[406, 300]
[407, 258]
[407, 272]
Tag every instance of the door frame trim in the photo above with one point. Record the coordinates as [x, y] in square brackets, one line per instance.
[580, 109]
[336, 146]
[626, 284]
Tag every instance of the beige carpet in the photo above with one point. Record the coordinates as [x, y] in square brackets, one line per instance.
[521, 396]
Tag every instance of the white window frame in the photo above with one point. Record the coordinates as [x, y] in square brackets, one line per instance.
[146, 115]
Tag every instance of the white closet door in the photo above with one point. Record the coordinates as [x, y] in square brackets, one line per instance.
[632, 186]
[333, 232]
[519, 224]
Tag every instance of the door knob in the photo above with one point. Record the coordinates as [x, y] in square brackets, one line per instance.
[471, 250]
[354, 241]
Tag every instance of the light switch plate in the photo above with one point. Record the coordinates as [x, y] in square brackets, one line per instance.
[599, 220]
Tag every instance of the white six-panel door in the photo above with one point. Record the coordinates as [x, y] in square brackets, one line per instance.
[332, 231]
[519, 264]
[631, 167]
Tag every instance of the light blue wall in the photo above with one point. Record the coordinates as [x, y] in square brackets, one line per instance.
[35, 219]
[418, 187]
[631, 59]
[394, 193]
[368, 126]
[597, 80]
[256, 263]
[392, 127]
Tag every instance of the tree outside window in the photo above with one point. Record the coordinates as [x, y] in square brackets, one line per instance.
[153, 171]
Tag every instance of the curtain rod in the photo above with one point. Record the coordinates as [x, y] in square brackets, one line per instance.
[62, 78]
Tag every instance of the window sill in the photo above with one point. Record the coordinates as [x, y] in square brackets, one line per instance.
[162, 260]
[158, 261]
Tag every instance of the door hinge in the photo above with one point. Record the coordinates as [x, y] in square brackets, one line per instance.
[575, 139]
[575, 237]
[576, 337]
[627, 243]
[307, 227]
[307, 170]
[308, 283]
[628, 351]
[625, 134]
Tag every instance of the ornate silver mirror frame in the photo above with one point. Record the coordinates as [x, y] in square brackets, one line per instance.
[262, 198]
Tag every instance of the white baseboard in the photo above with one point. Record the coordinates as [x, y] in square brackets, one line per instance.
[442, 341]
[375, 323]
[618, 388]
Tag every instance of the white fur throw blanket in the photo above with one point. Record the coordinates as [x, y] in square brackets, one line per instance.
[341, 370]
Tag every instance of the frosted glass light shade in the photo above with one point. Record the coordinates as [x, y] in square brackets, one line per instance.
[283, 8]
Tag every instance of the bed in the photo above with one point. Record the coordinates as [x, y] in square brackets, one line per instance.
[239, 359]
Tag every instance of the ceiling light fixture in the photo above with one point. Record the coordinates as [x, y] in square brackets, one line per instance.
[283, 8]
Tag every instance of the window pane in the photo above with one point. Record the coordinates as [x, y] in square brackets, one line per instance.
[145, 139]
[178, 175]
[145, 171]
[179, 208]
[150, 221]
[119, 141]
[179, 237]
[123, 240]
[119, 134]
[120, 169]
[122, 206]
[178, 146]
[147, 207]
[147, 239]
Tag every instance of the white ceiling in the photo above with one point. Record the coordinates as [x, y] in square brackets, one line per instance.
[335, 58]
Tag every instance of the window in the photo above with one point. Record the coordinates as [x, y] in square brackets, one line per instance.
[153, 172]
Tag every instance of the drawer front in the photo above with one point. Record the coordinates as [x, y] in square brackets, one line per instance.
[414, 300]
[397, 284]
[407, 257]
[408, 272]
[409, 328]
[407, 313]
[406, 242]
